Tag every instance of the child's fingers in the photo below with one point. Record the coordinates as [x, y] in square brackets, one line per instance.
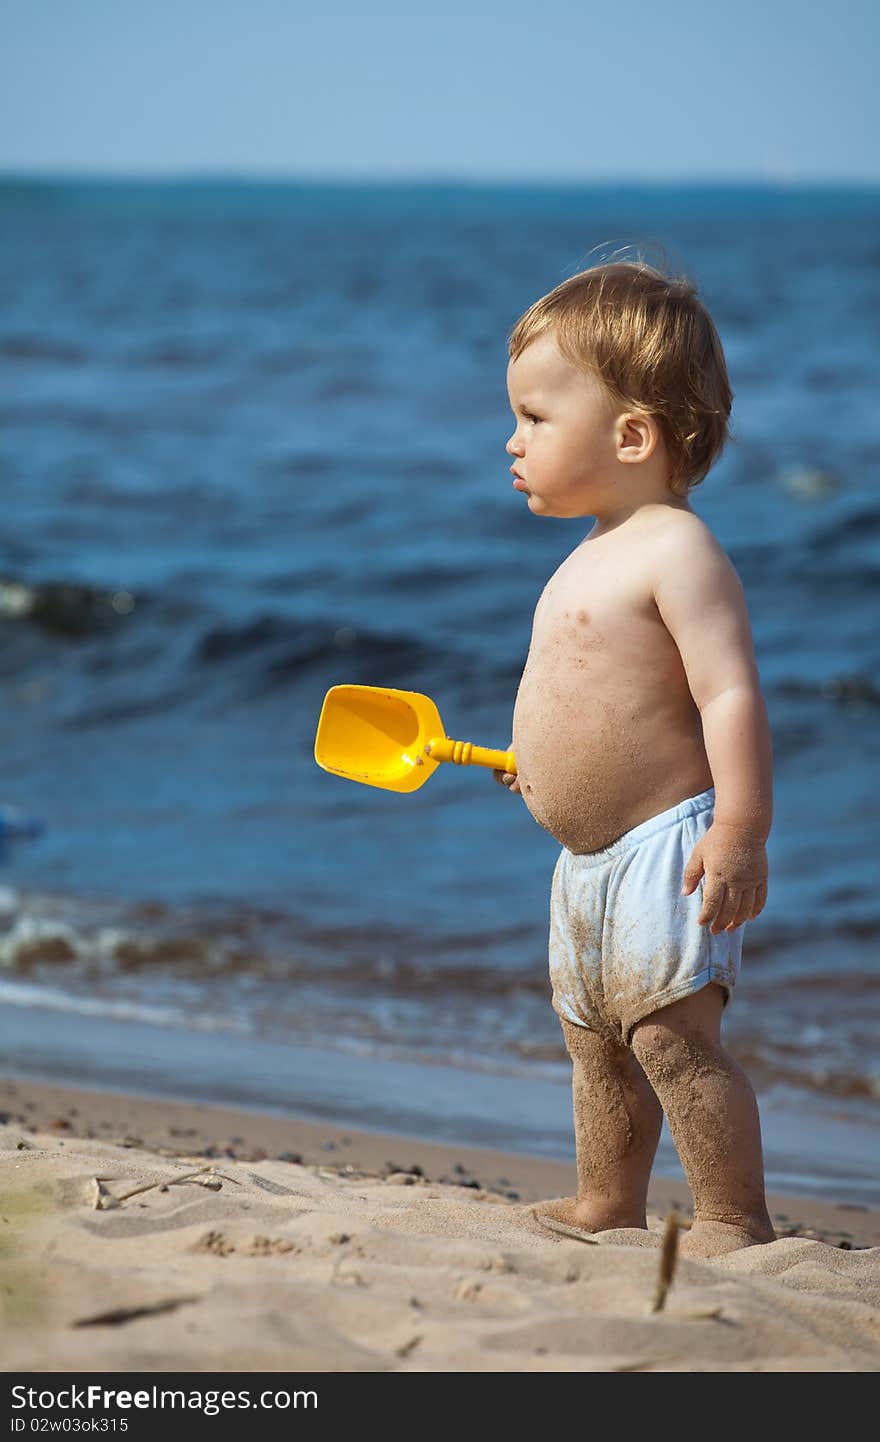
[728, 909]
[714, 894]
[727, 913]
[745, 910]
[760, 898]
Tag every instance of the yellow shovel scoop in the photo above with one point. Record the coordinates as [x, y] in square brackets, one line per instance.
[392, 739]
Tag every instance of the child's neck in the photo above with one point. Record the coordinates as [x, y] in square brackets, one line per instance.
[611, 519]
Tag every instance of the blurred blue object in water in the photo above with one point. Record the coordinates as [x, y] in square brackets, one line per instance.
[17, 825]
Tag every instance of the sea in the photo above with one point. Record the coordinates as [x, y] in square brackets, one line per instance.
[252, 445]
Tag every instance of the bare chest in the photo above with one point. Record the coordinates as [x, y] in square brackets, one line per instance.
[597, 615]
[605, 729]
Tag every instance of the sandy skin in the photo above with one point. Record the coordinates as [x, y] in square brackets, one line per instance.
[676, 1064]
[640, 690]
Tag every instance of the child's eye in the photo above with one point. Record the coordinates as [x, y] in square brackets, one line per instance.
[531, 418]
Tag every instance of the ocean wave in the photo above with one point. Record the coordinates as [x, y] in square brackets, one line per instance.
[65, 608]
[854, 689]
[41, 348]
[296, 647]
[114, 1009]
[351, 958]
[805, 1072]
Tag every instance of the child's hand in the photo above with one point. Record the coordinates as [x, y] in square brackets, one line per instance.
[734, 865]
[508, 778]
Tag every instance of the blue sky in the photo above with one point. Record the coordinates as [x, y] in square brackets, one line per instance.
[779, 90]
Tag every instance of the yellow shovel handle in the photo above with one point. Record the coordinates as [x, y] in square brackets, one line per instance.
[464, 753]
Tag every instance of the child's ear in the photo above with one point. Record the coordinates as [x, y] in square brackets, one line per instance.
[637, 436]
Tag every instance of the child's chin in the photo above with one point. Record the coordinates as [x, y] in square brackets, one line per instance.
[539, 507]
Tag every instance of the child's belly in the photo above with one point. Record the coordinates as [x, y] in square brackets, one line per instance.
[602, 742]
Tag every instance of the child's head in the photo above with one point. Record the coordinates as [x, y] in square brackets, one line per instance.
[652, 344]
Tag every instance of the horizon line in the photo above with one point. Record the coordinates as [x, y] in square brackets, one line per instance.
[206, 175]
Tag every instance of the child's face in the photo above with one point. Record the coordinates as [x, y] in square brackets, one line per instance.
[565, 444]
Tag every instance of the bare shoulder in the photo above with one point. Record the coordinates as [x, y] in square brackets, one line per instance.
[682, 545]
[684, 530]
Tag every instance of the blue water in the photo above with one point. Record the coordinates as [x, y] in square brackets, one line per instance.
[252, 445]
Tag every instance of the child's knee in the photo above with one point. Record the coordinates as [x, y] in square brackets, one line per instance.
[674, 1064]
[659, 1053]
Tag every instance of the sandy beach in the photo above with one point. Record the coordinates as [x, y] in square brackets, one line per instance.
[138, 1234]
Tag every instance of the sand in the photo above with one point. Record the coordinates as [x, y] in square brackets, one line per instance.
[139, 1234]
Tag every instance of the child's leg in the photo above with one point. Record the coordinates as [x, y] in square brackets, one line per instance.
[617, 1121]
[713, 1118]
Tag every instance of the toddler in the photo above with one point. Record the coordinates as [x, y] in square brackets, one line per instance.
[642, 745]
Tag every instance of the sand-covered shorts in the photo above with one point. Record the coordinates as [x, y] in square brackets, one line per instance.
[623, 939]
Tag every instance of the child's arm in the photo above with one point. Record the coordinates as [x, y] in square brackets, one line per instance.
[701, 602]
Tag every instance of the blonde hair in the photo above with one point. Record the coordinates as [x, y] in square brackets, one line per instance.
[653, 344]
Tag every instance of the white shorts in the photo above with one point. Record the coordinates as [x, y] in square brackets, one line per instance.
[623, 939]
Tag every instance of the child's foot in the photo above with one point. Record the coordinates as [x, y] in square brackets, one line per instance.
[714, 1239]
[581, 1216]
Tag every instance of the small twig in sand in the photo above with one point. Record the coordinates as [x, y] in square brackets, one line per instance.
[563, 1229]
[204, 1177]
[128, 1314]
[269, 1186]
[642, 1364]
[668, 1258]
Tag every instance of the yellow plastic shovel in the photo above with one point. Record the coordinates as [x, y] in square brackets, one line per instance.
[392, 739]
